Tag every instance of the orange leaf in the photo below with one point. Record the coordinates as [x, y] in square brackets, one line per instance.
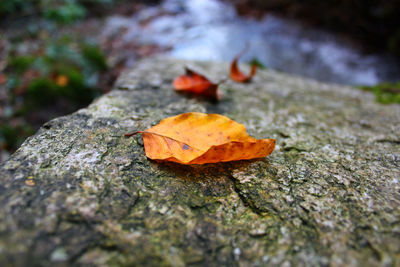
[30, 182]
[3, 78]
[196, 84]
[62, 80]
[236, 74]
[198, 138]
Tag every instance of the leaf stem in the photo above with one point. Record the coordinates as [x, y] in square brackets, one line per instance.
[130, 134]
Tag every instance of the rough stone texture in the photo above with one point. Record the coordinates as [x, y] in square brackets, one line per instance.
[79, 193]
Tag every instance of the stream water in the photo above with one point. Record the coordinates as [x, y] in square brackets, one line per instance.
[211, 30]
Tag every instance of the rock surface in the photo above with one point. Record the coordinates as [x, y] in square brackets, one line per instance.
[77, 192]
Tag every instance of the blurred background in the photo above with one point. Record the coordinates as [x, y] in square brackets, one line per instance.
[56, 56]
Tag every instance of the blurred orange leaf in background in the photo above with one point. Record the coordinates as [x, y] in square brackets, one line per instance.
[198, 138]
[236, 74]
[62, 80]
[196, 84]
[3, 78]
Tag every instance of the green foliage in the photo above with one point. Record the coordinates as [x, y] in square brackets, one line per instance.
[21, 64]
[257, 62]
[385, 93]
[13, 6]
[59, 11]
[94, 56]
[11, 137]
[66, 11]
[66, 70]
[40, 91]
[46, 73]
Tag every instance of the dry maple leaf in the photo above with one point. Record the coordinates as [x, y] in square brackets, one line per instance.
[196, 84]
[236, 74]
[198, 138]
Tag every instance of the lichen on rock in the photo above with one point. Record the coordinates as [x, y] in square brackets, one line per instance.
[328, 194]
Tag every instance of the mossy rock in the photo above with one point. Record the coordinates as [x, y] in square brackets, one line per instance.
[79, 193]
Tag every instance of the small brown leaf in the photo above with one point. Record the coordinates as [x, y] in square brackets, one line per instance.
[198, 138]
[236, 74]
[196, 84]
[3, 78]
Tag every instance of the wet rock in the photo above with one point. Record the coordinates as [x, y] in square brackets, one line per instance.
[78, 192]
